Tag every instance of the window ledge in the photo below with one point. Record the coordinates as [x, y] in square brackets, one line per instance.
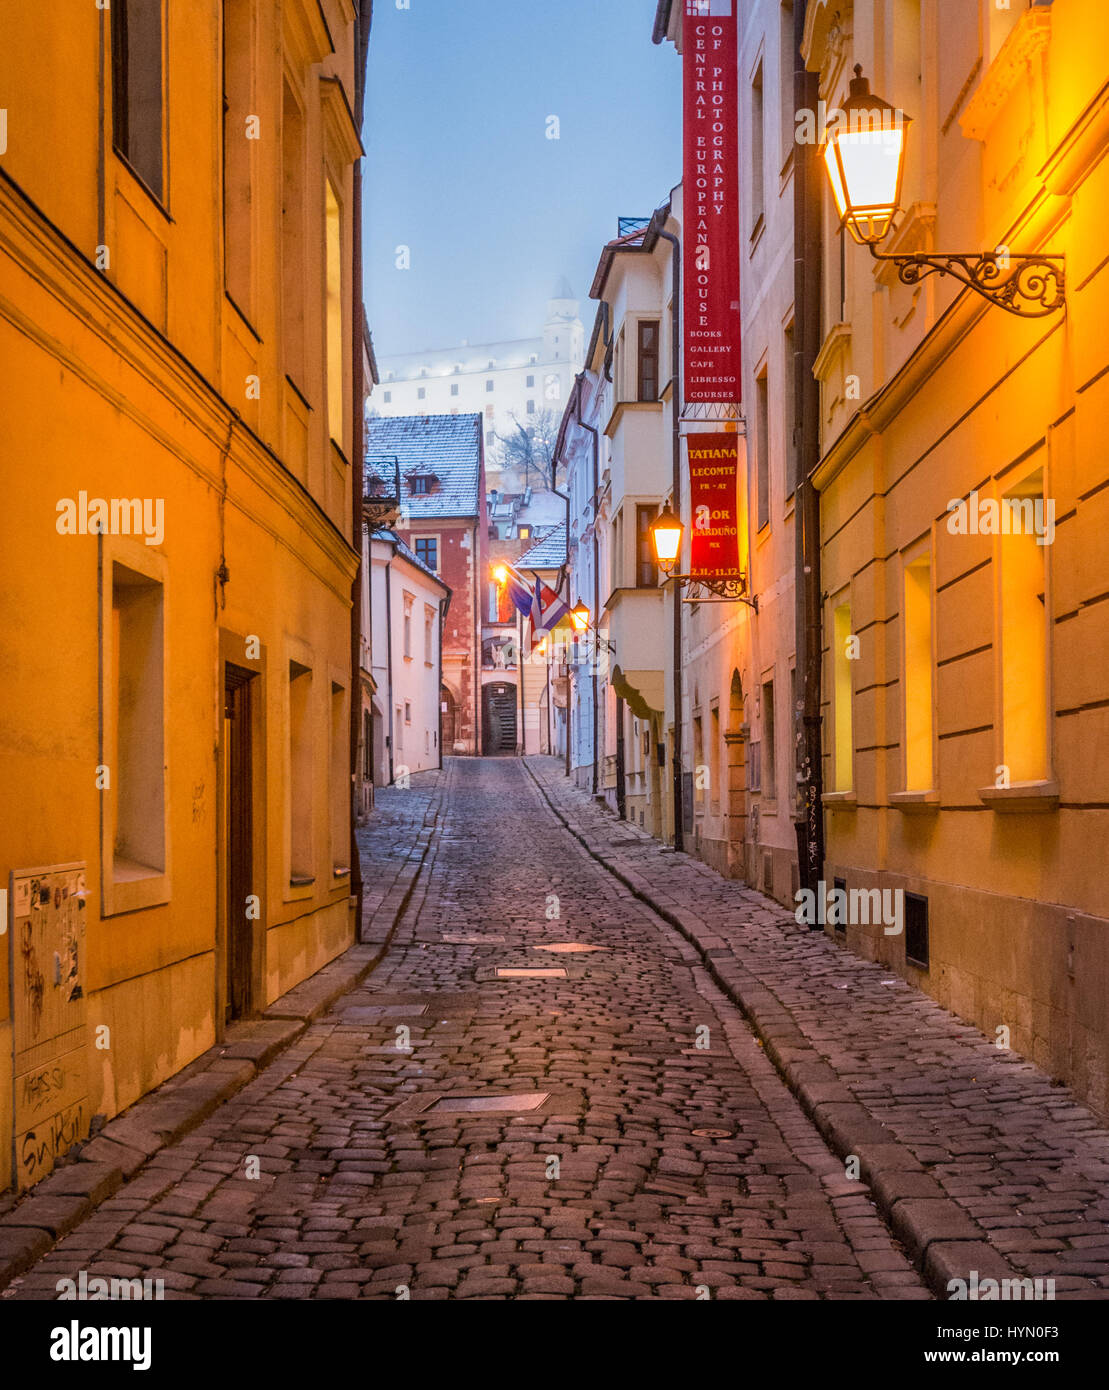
[840, 801]
[1022, 796]
[301, 880]
[915, 801]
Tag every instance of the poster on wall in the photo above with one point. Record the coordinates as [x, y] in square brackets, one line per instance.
[714, 505]
[710, 201]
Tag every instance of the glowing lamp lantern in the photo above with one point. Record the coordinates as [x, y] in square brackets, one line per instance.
[579, 616]
[500, 574]
[666, 535]
[865, 158]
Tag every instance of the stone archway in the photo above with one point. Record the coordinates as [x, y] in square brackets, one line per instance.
[735, 741]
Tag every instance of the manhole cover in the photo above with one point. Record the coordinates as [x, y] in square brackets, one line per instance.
[525, 1100]
[566, 947]
[512, 972]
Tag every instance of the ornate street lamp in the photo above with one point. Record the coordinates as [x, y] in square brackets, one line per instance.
[865, 158]
[666, 536]
[579, 616]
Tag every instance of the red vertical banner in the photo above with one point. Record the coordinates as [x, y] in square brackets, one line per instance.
[710, 200]
[713, 504]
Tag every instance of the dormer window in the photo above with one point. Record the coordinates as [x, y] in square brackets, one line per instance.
[421, 484]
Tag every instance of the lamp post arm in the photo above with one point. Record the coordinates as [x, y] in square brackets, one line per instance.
[1030, 286]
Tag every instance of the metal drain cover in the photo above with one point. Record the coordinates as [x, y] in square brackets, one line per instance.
[566, 947]
[513, 972]
[710, 1133]
[525, 1100]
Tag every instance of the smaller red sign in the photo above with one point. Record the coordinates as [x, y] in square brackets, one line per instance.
[714, 504]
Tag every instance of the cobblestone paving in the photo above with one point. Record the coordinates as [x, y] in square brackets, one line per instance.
[1014, 1150]
[360, 1195]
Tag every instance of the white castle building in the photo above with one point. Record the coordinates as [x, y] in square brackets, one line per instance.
[506, 382]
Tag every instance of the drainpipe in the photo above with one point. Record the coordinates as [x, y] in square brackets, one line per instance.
[807, 263]
[389, 661]
[596, 584]
[675, 401]
[621, 795]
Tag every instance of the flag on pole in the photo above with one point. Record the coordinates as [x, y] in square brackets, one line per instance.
[519, 593]
[547, 610]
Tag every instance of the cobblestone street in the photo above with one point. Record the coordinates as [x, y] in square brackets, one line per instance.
[359, 1195]
[668, 1158]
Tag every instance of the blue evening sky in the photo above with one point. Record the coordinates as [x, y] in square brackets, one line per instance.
[458, 167]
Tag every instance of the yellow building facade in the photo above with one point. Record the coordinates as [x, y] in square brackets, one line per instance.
[966, 680]
[177, 237]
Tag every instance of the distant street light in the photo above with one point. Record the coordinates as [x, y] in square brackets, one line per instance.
[579, 616]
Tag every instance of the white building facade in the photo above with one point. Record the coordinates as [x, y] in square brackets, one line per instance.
[405, 604]
[507, 383]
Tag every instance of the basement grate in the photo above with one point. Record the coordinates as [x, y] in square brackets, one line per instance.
[513, 972]
[523, 1100]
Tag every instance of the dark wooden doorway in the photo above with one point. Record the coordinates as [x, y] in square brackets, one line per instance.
[241, 913]
[499, 722]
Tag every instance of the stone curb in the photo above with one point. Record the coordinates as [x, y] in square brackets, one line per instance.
[938, 1235]
[61, 1201]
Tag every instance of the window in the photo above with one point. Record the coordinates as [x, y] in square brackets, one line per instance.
[429, 635]
[757, 140]
[531, 407]
[238, 105]
[454, 388]
[524, 533]
[1024, 628]
[762, 450]
[388, 397]
[789, 414]
[787, 51]
[340, 782]
[769, 767]
[647, 381]
[698, 763]
[489, 385]
[421, 392]
[917, 700]
[420, 485]
[333, 249]
[137, 106]
[531, 381]
[489, 412]
[754, 767]
[408, 712]
[646, 568]
[300, 774]
[717, 771]
[427, 550]
[408, 601]
[398, 726]
[292, 234]
[135, 743]
[843, 748]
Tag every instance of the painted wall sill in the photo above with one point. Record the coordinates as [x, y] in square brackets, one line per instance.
[915, 801]
[1022, 796]
[840, 801]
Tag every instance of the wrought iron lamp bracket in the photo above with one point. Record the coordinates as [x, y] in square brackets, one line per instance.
[1028, 286]
[731, 588]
